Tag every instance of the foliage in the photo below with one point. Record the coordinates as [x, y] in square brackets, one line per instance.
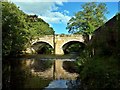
[45, 49]
[84, 57]
[14, 28]
[38, 27]
[19, 29]
[102, 72]
[86, 21]
[98, 71]
[73, 47]
[118, 35]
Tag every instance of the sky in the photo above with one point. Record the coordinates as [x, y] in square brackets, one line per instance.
[58, 12]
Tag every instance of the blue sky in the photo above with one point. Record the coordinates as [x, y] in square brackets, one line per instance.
[57, 14]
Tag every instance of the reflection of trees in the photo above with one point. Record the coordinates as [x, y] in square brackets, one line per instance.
[70, 66]
[5, 74]
[14, 74]
[40, 65]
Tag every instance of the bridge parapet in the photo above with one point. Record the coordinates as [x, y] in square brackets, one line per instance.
[68, 35]
[61, 35]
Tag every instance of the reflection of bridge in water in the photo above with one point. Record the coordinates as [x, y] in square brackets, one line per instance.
[59, 44]
[59, 72]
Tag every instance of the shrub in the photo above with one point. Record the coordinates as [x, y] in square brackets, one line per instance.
[101, 72]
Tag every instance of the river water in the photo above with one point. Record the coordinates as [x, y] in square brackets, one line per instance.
[40, 72]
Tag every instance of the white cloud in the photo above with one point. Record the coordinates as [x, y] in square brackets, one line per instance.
[55, 17]
[52, 15]
[60, 2]
[66, 12]
[48, 11]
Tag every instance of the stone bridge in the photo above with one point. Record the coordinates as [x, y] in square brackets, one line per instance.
[58, 41]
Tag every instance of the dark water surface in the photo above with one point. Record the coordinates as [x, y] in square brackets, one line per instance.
[37, 71]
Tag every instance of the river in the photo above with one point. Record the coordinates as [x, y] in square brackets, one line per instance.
[40, 71]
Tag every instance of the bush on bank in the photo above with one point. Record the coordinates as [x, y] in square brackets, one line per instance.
[101, 72]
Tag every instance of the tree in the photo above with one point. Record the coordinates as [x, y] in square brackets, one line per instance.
[14, 30]
[90, 18]
[19, 28]
[38, 27]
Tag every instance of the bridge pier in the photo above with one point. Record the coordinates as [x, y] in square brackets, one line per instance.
[59, 51]
[58, 48]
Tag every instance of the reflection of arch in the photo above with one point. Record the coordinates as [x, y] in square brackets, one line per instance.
[80, 46]
[70, 66]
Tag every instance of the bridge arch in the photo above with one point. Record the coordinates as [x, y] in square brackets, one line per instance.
[68, 41]
[43, 41]
[42, 47]
[73, 46]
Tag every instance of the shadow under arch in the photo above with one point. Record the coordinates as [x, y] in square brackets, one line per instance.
[73, 47]
[42, 47]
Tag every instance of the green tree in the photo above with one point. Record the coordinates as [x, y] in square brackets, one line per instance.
[18, 29]
[14, 30]
[90, 18]
[37, 27]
